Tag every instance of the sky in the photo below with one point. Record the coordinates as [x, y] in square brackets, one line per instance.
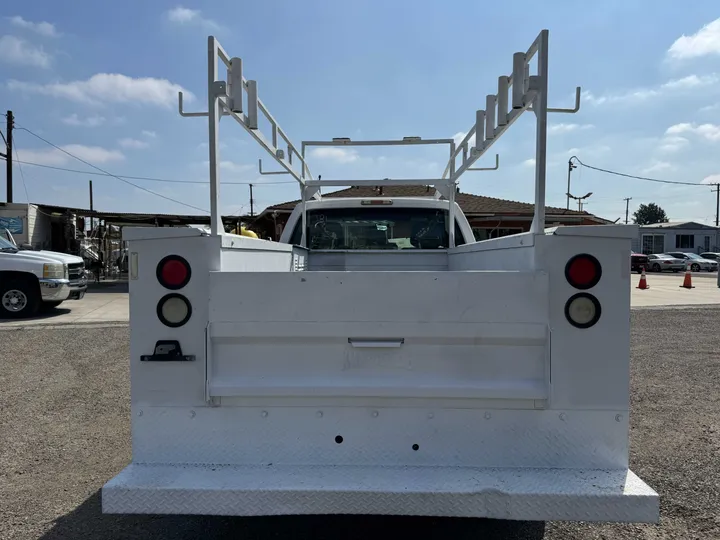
[100, 80]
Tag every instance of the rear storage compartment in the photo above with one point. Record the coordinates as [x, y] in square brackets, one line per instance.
[366, 334]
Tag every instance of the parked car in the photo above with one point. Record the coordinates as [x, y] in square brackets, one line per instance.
[638, 261]
[662, 262]
[710, 256]
[695, 261]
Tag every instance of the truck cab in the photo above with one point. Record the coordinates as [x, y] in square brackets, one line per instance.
[32, 281]
[377, 223]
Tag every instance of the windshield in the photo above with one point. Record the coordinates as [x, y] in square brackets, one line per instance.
[693, 256]
[376, 228]
[4, 244]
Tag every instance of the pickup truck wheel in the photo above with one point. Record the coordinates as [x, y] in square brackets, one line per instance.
[19, 298]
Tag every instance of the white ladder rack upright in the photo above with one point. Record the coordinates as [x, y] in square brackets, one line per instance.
[517, 92]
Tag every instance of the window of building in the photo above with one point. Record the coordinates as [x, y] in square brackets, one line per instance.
[485, 233]
[653, 243]
[685, 241]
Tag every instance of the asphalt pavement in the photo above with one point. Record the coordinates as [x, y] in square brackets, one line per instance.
[64, 420]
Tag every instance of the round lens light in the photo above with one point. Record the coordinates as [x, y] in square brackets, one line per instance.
[582, 310]
[174, 310]
[173, 272]
[583, 271]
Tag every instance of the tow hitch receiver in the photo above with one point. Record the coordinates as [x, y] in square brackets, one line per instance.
[167, 351]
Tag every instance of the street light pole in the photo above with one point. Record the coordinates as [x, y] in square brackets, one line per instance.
[571, 166]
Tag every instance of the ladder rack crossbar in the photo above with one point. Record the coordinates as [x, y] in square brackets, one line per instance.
[383, 182]
[388, 142]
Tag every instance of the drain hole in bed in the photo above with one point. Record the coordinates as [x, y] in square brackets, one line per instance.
[339, 439]
[416, 447]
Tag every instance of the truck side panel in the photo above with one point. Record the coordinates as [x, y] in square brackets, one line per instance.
[591, 366]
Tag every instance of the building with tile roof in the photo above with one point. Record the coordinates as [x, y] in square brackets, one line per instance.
[489, 217]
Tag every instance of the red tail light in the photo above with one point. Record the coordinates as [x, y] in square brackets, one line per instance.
[173, 272]
[583, 271]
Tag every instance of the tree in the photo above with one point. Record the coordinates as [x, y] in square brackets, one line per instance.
[646, 214]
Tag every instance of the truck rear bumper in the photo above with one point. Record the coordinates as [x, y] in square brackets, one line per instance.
[515, 494]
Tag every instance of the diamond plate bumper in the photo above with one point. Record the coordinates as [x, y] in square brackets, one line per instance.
[516, 494]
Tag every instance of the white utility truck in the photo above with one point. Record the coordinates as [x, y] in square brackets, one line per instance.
[378, 360]
[32, 281]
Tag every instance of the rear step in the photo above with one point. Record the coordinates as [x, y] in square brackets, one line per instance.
[516, 494]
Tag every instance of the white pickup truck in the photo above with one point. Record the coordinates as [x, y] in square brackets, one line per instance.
[32, 281]
[378, 360]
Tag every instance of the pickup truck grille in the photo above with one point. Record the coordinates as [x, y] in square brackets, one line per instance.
[75, 270]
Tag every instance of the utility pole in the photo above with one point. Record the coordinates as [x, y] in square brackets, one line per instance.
[252, 202]
[92, 219]
[8, 155]
[717, 204]
[570, 168]
[627, 208]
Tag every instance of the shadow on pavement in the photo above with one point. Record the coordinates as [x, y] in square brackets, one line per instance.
[87, 521]
[107, 287]
[49, 314]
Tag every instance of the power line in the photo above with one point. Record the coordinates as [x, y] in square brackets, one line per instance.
[113, 175]
[616, 173]
[150, 179]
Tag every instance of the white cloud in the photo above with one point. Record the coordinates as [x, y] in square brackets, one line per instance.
[672, 143]
[231, 166]
[43, 28]
[592, 151]
[712, 179]
[460, 135]
[638, 95]
[18, 51]
[528, 162]
[110, 88]
[657, 166]
[127, 142]
[184, 16]
[53, 156]
[704, 42]
[691, 81]
[711, 132]
[710, 108]
[149, 134]
[338, 155]
[235, 167]
[566, 128]
[90, 121]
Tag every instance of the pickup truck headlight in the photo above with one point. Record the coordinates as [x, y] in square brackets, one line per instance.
[54, 271]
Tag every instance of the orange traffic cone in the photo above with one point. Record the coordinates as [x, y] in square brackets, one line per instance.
[643, 280]
[687, 282]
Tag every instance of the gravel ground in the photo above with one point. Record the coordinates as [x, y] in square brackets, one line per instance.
[64, 431]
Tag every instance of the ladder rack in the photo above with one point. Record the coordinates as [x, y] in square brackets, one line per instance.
[518, 92]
